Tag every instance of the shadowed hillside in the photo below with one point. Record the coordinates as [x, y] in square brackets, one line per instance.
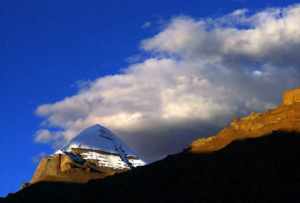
[263, 169]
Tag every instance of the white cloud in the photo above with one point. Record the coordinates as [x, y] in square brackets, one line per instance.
[200, 74]
[43, 136]
[269, 35]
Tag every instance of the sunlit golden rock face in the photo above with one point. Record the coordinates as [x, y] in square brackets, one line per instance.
[61, 168]
[286, 117]
[291, 96]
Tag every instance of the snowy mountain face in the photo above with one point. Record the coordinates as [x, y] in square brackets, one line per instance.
[99, 145]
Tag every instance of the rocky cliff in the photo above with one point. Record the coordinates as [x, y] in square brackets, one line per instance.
[285, 117]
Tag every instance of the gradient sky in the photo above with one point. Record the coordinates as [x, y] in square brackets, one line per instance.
[47, 47]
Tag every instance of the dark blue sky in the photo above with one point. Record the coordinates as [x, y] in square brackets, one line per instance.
[47, 46]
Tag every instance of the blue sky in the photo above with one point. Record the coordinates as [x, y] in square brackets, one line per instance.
[46, 47]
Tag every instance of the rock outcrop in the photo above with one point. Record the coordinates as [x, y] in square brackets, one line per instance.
[286, 117]
[65, 168]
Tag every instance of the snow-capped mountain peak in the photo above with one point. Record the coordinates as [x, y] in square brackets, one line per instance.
[102, 146]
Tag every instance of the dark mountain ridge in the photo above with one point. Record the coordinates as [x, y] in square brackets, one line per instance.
[264, 169]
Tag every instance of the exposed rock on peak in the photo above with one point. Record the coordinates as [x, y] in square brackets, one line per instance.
[286, 117]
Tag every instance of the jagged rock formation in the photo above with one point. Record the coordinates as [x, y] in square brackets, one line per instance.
[286, 117]
[94, 154]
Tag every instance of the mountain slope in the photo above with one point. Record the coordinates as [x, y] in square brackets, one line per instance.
[285, 117]
[264, 169]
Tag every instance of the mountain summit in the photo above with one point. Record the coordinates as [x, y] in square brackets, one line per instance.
[98, 137]
[95, 153]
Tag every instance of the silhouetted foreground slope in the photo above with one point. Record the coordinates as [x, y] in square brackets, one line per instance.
[264, 169]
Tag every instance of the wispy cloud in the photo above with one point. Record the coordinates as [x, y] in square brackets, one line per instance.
[147, 24]
[200, 74]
